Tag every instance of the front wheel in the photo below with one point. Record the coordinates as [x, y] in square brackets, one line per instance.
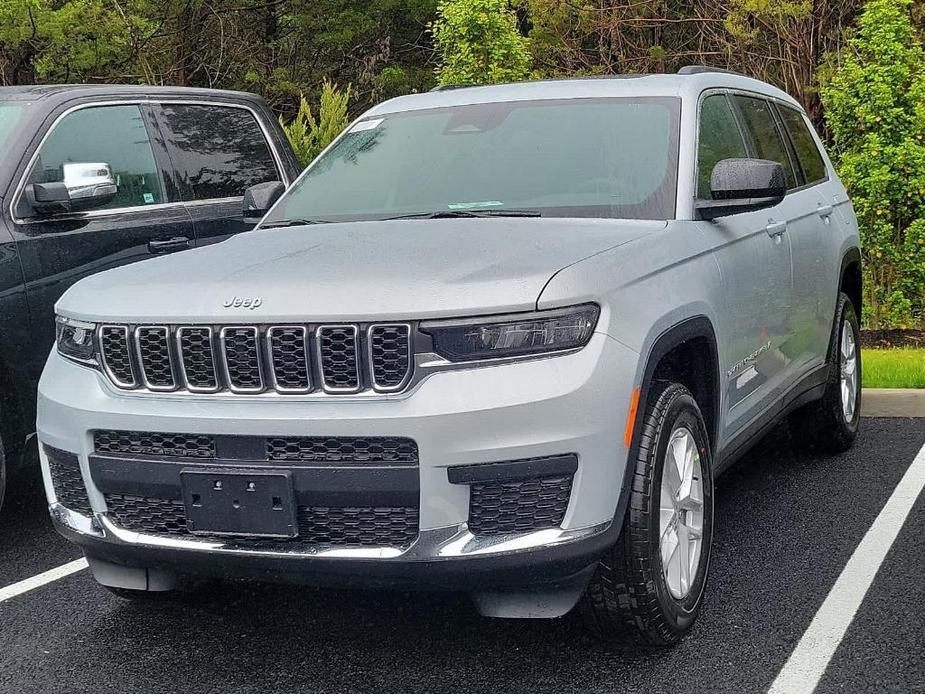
[648, 588]
[831, 424]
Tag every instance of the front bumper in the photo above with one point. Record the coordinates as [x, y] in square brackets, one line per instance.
[575, 403]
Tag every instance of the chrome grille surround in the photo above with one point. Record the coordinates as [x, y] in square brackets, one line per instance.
[287, 347]
[288, 359]
[116, 355]
[197, 363]
[390, 355]
[339, 358]
[152, 346]
[241, 356]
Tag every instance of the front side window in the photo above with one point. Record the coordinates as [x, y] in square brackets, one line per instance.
[806, 149]
[219, 151]
[719, 138]
[610, 157]
[761, 124]
[114, 135]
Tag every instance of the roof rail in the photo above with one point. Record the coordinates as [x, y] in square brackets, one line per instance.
[448, 87]
[701, 69]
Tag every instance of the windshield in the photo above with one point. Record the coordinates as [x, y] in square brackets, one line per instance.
[611, 157]
[10, 115]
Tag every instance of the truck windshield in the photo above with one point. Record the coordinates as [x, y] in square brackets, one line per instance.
[10, 115]
[600, 157]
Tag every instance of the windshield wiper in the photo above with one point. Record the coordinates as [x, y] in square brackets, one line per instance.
[294, 223]
[452, 214]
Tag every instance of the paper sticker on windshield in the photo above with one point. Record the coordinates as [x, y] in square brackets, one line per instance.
[474, 205]
[366, 125]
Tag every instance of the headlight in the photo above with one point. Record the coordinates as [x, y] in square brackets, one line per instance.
[76, 340]
[516, 335]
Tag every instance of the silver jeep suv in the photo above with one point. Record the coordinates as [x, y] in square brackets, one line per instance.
[495, 339]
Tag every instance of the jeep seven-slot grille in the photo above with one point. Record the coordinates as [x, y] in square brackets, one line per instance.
[289, 359]
[348, 526]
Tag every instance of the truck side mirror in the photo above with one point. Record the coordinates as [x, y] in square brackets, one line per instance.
[259, 199]
[84, 187]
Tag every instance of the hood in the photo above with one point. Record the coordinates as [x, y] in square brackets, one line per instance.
[389, 270]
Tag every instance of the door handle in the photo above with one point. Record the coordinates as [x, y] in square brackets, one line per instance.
[824, 211]
[776, 228]
[166, 245]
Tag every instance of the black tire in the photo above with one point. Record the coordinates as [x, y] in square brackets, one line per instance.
[628, 598]
[822, 425]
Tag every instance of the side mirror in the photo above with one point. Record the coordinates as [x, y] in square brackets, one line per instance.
[84, 187]
[743, 185]
[259, 199]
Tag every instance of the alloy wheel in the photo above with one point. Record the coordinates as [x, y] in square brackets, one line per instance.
[848, 368]
[681, 513]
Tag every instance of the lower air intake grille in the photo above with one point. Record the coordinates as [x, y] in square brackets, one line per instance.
[321, 449]
[318, 526]
[67, 480]
[149, 443]
[519, 505]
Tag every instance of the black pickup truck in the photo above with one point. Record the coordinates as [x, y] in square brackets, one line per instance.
[95, 176]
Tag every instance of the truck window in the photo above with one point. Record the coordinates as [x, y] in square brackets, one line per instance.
[765, 135]
[218, 151]
[719, 138]
[807, 151]
[114, 135]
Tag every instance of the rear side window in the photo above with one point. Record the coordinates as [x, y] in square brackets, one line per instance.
[719, 138]
[762, 126]
[114, 135]
[808, 155]
[218, 151]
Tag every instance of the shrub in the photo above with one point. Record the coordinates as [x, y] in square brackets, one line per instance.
[477, 42]
[874, 97]
[308, 135]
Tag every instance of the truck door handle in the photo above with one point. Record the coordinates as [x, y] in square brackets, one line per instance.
[824, 211]
[776, 228]
[166, 245]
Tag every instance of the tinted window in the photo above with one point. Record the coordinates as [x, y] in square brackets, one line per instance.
[113, 135]
[218, 151]
[807, 152]
[581, 157]
[719, 139]
[765, 135]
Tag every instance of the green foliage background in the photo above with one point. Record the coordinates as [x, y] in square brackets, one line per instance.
[859, 75]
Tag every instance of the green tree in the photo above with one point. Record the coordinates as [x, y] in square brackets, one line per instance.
[309, 135]
[478, 42]
[873, 92]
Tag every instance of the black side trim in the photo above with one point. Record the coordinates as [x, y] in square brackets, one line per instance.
[810, 388]
[513, 469]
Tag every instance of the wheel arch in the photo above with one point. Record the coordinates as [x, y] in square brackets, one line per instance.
[693, 338]
[850, 280]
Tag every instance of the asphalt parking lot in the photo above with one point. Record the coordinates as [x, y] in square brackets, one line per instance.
[787, 523]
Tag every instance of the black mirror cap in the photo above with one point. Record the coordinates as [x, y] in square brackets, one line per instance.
[743, 185]
[48, 198]
[259, 199]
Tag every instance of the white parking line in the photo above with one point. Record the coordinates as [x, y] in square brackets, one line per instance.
[812, 654]
[49, 576]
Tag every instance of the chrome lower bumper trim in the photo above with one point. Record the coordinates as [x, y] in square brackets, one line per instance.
[440, 543]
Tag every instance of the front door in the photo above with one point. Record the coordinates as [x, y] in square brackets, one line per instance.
[140, 222]
[218, 150]
[752, 251]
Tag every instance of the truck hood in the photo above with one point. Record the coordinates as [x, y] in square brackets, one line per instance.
[402, 269]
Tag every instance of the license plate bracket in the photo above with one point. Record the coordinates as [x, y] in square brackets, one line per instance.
[245, 503]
